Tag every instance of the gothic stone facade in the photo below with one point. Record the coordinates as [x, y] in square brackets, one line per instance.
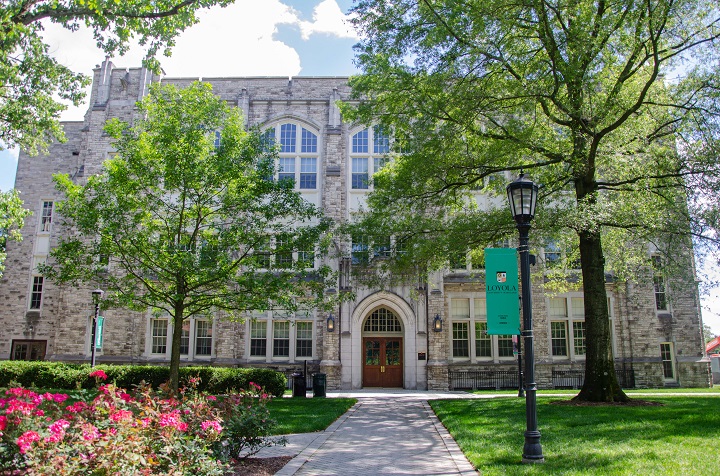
[385, 337]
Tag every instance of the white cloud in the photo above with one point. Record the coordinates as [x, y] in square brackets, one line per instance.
[328, 19]
[234, 41]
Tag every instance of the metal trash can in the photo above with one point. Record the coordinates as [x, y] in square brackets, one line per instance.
[319, 385]
[298, 385]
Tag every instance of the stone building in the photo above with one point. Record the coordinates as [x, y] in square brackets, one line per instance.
[385, 337]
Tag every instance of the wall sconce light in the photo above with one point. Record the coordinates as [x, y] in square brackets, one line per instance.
[437, 323]
[331, 323]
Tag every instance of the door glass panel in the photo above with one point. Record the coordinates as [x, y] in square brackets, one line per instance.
[372, 352]
[392, 352]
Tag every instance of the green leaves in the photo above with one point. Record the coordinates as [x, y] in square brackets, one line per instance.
[12, 218]
[31, 81]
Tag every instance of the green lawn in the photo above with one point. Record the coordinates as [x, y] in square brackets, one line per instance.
[305, 415]
[678, 438]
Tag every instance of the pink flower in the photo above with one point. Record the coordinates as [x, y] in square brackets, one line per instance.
[213, 425]
[76, 407]
[121, 415]
[125, 397]
[181, 426]
[99, 374]
[39, 413]
[26, 440]
[90, 432]
[3, 422]
[20, 406]
[59, 426]
[211, 398]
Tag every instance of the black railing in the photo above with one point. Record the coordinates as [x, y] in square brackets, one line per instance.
[574, 379]
[483, 380]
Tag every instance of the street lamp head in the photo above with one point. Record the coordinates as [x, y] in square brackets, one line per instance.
[331, 323]
[97, 295]
[522, 195]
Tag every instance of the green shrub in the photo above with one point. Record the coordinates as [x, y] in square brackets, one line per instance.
[61, 375]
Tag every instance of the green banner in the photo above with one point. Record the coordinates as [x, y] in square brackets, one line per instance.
[99, 332]
[501, 288]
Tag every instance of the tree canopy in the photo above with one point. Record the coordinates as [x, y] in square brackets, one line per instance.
[12, 216]
[611, 106]
[32, 81]
[186, 219]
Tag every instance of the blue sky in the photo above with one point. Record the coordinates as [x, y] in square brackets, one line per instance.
[248, 38]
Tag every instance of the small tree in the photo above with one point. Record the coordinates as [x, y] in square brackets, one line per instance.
[12, 216]
[186, 218]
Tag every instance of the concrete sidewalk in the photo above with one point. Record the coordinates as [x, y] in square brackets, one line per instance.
[386, 432]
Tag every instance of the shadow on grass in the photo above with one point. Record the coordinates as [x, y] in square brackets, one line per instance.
[586, 439]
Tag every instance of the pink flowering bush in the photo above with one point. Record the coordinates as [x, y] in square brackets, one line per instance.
[145, 432]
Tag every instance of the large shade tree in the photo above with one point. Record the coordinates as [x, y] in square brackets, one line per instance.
[187, 220]
[32, 81]
[611, 106]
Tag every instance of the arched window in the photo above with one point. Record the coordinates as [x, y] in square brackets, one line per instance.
[368, 149]
[382, 320]
[298, 154]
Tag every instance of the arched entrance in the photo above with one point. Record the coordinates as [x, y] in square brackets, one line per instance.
[382, 344]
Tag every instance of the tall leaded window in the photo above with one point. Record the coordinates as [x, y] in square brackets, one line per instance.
[659, 284]
[283, 251]
[203, 337]
[505, 346]
[36, 292]
[579, 338]
[258, 338]
[303, 339]
[159, 336]
[668, 361]
[185, 338]
[483, 342]
[298, 154]
[558, 336]
[460, 339]
[368, 154]
[46, 217]
[360, 246]
[281, 339]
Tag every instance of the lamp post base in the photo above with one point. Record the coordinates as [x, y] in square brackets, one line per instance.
[532, 451]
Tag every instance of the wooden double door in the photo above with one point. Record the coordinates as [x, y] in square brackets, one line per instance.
[382, 362]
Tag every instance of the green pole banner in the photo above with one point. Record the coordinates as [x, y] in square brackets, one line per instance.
[501, 291]
[99, 333]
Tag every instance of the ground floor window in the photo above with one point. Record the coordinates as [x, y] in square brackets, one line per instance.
[281, 336]
[28, 350]
[469, 313]
[196, 339]
[668, 360]
[567, 327]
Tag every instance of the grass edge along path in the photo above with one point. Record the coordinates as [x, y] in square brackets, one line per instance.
[676, 438]
[306, 415]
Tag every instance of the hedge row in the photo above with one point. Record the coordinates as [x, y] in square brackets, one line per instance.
[60, 375]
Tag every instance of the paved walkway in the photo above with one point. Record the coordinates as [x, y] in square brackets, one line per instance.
[385, 433]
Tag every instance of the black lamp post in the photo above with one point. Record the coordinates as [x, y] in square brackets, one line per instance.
[96, 296]
[522, 194]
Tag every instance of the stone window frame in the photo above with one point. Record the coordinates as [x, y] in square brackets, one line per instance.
[36, 293]
[660, 287]
[191, 336]
[667, 359]
[298, 154]
[574, 313]
[266, 320]
[477, 314]
[369, 149]
[47, 212]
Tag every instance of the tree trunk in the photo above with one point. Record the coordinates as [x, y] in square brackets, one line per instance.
[601, 384]
[175, 348]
